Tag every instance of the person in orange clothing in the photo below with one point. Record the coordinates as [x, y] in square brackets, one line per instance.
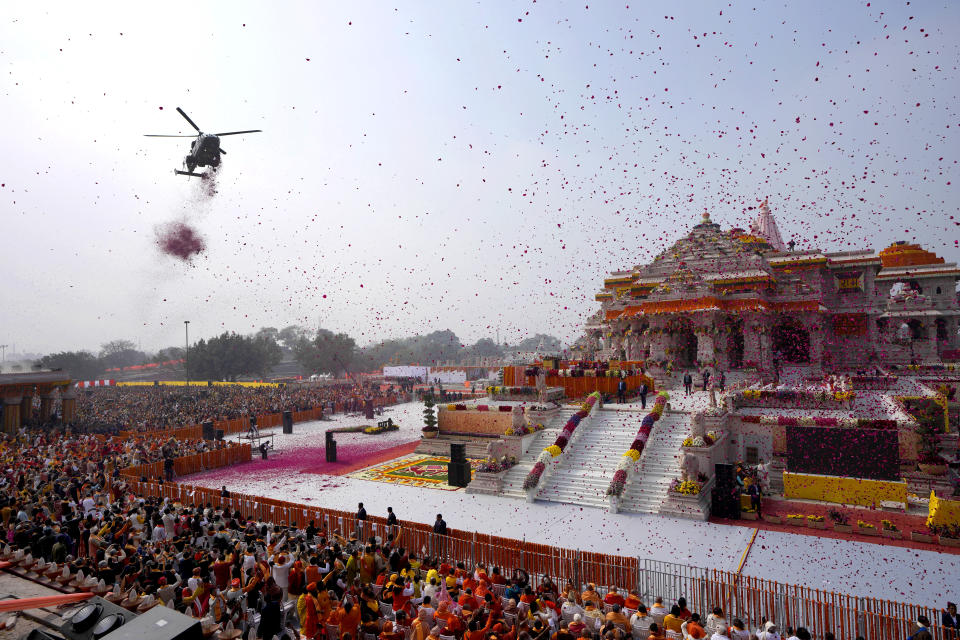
[349, 620]
[684, 612]
[613, 597]
[467, 601]
[311, 572]
[311, 625]
[388, 632]
[590, 594]
[474, 630]
[496, 577]
[616, 617]
[656, 632]
[633, 600]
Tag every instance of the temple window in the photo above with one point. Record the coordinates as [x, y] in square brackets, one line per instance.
[751, 455]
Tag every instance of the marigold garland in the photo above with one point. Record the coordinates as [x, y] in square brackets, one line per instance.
[632, 456]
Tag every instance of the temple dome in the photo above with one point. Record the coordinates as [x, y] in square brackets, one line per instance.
[902, 254]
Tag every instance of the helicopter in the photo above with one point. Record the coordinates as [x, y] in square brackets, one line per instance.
[205, 150]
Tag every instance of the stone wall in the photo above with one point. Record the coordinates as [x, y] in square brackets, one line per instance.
[481, 423]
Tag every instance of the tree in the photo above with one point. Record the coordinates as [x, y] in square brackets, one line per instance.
[550, 344]
[328, 352]
[289, 337]
[429, 417]
[121, 353]
[169, 353]
[485, 348]
[81, 365]
[229, 356]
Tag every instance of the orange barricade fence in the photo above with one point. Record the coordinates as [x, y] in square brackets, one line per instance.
[185, 465]
[744, 597]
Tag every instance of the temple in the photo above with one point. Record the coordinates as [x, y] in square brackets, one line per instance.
[732, 299]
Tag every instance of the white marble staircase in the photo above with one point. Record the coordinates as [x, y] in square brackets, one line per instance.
[583, 476]
[512, 483]
[659, 465]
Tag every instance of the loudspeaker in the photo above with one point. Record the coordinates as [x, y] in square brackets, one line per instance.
[94, 619]
[288, 421]
[208, 431]
[331, 447]
[159, 623]
[458, 474]
[458, 452]
[725, 474]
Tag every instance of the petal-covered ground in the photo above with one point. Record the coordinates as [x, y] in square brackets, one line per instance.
[859, 568]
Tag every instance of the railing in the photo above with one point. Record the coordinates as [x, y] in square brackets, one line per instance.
[185, 465]
[744, 597]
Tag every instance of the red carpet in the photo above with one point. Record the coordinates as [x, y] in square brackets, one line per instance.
[906, 523]
[349, 464]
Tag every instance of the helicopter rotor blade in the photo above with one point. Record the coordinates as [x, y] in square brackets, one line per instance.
[161, 135]
[187, 118]
[222, 151]
[233, 133]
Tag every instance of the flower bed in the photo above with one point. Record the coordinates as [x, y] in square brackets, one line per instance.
[687, 487]
[554, 450]
[786, 421]
[630, 458]
[874, 383]
[791, 398]
[526, 429]
[700, 442]
[493, 465]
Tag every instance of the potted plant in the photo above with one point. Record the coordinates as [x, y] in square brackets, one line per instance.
[841, 522]
[749, 514]
[816, 522]
[772, 518]
[890, 530]
[922, 536]
[796, 519]
[929, 460]
[430, 429]
[949, 534]
[866, 528]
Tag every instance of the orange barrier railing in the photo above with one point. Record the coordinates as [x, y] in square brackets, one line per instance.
[185, 465]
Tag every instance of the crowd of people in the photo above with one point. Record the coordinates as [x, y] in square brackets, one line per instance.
[148, 408]
[61, 499]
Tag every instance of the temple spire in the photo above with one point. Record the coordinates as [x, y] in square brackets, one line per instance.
[766, 227]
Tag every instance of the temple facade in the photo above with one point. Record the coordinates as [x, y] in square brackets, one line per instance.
[741, 299]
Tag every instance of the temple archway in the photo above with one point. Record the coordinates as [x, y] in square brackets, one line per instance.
[735, 344]
[791, 341]
[684, 342]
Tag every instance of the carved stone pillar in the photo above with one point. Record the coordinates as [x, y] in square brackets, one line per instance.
[11, 414]
[658, 347]
[705, 347]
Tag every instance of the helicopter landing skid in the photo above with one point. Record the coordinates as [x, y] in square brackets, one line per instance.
[189, 173]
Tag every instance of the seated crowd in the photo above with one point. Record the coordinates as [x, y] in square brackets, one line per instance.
[263, 580]
[146, 408]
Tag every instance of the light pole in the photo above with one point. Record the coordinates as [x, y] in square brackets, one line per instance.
[186, 347]
[3, 348]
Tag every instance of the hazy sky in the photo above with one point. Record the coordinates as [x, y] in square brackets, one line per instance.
[436, 165]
